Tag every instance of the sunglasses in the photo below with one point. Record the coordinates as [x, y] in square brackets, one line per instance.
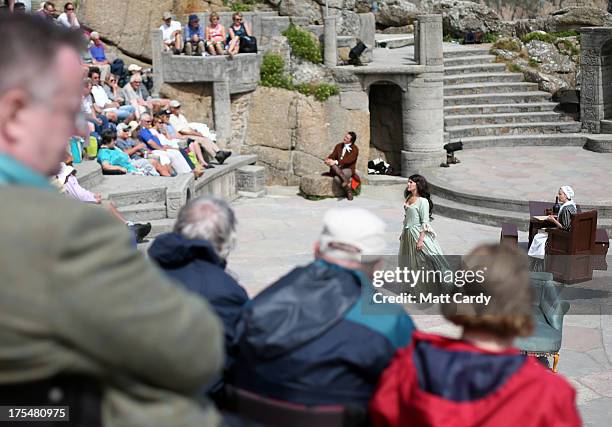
[70, 8]
[112, 81]
[238, 19]
[148, 121]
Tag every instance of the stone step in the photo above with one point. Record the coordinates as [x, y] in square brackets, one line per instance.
[513, 129]
[469, 60]
[499, 108]
[475, 68]
[489, 216]
[606, 126]
[89, 173]
[537, 140]
[144, 212]
[477, 51]
[490, 87]
[460, 79]
[480, 119]
[497, 98]
[394, 41]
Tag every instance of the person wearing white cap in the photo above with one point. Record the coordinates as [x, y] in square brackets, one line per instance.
[172, 34]
[307, 339]
[196, 131]
[563, 220]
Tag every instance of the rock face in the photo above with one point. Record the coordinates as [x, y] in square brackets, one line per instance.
[572, 18]
[551, 61]
[461, 17]
[292, 133]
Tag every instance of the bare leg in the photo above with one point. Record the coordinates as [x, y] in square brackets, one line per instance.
[234, 45]
[211, 49]
[113, 210]
[195, 147]
[219, 48]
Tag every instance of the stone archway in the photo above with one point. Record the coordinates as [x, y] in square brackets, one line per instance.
[386, 123]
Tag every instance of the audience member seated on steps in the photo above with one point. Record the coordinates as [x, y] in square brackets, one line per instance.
[165, 155]
[567, 210]
[127, 141]
[479, 379]
[115, 161]
[194, 37]
[194, 151]
[112, 89]
[196, 253]
[67, 183]
[98, 55]
[238, 31]
[342, 162]
[69, 19]
[306, 339]
[215, 36]
[123, 113]
[172, 36]
[137, 95]
[99, 121]
[197, 131]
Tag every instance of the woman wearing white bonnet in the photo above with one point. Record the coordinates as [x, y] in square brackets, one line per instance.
[564, 221]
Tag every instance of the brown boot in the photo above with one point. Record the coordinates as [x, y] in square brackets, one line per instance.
[338, 172]
[349, 193]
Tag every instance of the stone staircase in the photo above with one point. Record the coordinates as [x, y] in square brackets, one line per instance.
[485, 105]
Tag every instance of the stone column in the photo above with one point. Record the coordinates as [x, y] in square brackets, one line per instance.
[367, 34]
[423, 101]
[423, 124]
[428, 40]
[591, 90]
[157, 56]
[222, 111]
[330, 42]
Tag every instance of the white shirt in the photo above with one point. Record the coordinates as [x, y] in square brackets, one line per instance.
[100, 96]
[167, 30]
[178, 122]
[86, 105]
[63, 19]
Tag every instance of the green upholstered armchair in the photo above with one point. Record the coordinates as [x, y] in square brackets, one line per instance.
[548, 312]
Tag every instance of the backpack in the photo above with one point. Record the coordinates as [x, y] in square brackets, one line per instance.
[248, 44]
[118, 69]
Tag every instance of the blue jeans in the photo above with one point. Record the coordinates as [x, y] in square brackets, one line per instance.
[123, 112]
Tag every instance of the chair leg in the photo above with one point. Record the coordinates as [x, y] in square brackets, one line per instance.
[555, 362]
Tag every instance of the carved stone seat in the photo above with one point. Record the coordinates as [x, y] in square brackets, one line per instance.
[320, 186]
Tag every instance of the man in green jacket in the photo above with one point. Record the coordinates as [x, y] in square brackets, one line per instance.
[75, 298]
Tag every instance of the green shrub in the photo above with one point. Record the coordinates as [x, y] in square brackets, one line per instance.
[272, 72]
[324, 91]
[514, 68]
[303, 44]
[508, 44]
[241, 7]
[533, 63]
[543, 37]
[490, 38]
[568, 33]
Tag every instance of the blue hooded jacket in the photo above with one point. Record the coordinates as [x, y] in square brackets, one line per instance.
[306, 340]
[195, 264]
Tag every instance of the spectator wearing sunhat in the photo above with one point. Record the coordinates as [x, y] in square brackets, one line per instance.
[194, 37]
[172, 36]
[307, 338]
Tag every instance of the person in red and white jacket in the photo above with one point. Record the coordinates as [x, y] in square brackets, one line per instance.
[480, 379]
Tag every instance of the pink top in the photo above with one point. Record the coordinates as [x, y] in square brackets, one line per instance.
[216, 33]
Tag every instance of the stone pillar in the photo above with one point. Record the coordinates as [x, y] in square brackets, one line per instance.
[158, 66]
[428, 40]
[222, 111]
[367, 34]
[330, 48]
[423, 124]
[591, 90]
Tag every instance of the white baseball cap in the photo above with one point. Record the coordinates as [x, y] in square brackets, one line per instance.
[352, 232]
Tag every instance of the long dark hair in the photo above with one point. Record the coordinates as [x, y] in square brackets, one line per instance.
[422, 189]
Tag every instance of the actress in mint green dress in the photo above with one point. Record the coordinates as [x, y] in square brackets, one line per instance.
[419, 247]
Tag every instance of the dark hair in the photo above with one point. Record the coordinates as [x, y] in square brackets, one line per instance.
[68, 4]
[92, 71]
[29, 46]
[49, 3]
[108, 136]
[353, 136]
[422, 189]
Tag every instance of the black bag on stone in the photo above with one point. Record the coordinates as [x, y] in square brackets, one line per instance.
[248, 44]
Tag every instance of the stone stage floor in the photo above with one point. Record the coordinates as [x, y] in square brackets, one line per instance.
[277, 232]
[532, 173]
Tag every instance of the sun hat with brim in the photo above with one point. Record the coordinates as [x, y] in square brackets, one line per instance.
[175, 104]
[134, 67]
[133, 125]
[167, 15]
[193, 18]
[64, 173]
